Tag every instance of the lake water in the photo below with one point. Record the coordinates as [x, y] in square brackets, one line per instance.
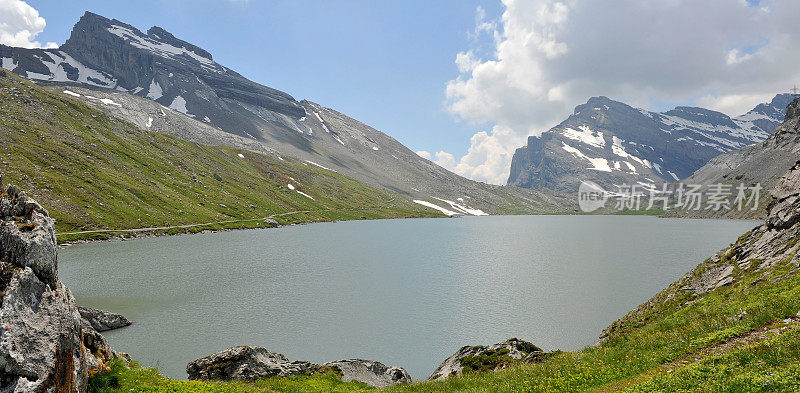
[404, 292]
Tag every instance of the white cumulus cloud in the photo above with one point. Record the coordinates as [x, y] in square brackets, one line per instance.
[550, 55]
[20, 24]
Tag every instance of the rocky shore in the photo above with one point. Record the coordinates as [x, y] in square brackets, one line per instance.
[252, 363]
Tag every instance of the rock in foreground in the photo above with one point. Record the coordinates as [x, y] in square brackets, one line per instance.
[43, 346]
[487, 358]
[246, 363]
[251, 363]
[372, 373]
[102, 320]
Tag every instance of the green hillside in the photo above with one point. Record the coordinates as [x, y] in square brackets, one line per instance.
[95, 172]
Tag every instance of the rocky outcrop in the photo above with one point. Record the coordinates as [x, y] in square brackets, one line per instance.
[246, 363]
[28, 237]
[102, 321]
[487, 358]
[372, 373]
[43, 346]
[251, 363]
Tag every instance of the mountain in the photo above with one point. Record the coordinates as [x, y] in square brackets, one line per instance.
[94, 172]
[116, 59]
[762, 163]
[612, 143]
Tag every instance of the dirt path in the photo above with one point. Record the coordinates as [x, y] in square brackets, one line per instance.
[181, 226]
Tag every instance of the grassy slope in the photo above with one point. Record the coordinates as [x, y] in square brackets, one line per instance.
[92, 171]
[744, 337]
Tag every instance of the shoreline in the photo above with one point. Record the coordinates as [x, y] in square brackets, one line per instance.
[147, 233]
[269, 223]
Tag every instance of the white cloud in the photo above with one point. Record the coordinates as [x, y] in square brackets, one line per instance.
[424, 154]
[551, 55]
[733, 103]
[735, 57]
[20, 24]
[445, 160]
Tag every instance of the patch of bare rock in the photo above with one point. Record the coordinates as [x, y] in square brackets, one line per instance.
[251, 363]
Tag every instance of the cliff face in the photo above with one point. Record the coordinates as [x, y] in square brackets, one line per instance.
[43, 345]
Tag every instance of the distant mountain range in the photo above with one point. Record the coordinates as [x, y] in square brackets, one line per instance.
[125, 69]
[612, 143]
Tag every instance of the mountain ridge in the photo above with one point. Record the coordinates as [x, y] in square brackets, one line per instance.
[612, 143]
[115, 59]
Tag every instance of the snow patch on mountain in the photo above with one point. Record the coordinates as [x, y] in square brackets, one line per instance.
[179, 105]
[63, 68]
[437, 207]
[8, 63]
[158, 48]
[462, 208]
[585, 135]
[155, 92]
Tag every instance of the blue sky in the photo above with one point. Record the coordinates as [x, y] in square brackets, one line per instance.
[385, 63]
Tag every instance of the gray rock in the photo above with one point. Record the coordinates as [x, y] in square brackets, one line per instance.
[513, 348]
[372, 373]
[28, 235]
[710, 279]
[40, 345]
[245, 363]
[251, 363]
[43, 345]
[102, 321]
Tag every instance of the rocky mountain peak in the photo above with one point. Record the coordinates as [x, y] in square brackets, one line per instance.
[773, 109]
[612, 143]
[599, 103]
[161, 35]
[792, 110]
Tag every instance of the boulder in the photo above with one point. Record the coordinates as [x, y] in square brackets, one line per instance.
[43, 345]
[372, 373]
[102, 321]
[28, 238]
[246, 363]
[251, 363]
[487, 358]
